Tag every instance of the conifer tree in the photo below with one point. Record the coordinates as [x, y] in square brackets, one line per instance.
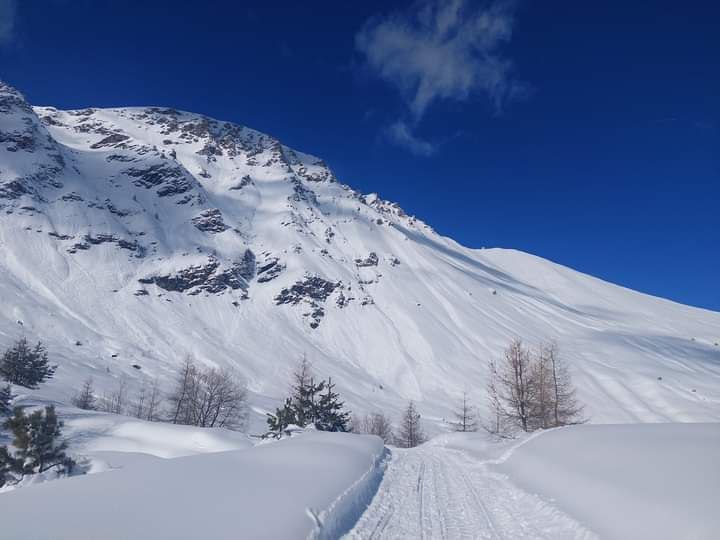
[37, 442]
[6, 398]
[26, 366]
[85, 399]
[330, 415]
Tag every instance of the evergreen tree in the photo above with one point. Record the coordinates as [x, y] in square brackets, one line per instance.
[37, 442]
[26, 366]
[6, 398]
[411, 433]
[283, 417]
[330, 413]
[85, 399]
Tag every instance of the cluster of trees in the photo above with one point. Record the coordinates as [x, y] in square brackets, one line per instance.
[310, 403]
[527, 390]
[203, 397]
[37, 444]
[208, 397]
[531, 389]
[409, 434]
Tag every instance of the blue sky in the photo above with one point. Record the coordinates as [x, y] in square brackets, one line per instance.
[586, 133]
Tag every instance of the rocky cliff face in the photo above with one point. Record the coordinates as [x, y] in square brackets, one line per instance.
[147, 234]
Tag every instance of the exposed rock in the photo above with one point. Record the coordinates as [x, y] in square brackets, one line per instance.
[269, 270]
[210, 221]
[111, 140]
[370, 260]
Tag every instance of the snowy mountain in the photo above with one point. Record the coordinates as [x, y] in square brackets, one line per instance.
[133, 237]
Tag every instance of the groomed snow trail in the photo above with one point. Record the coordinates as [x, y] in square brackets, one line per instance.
[432, 492]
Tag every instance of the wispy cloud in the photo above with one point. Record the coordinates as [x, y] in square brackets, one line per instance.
[8, 10]
[442, 50]
[401, 134]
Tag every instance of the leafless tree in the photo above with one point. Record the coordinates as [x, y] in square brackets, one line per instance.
[566, 409]
[208, 398]
[411, 433]
[516, 386]
[154, 402]
[115, 402]
[184, 394]
[531, 391]
[375, 423]
[85, 399]
[465, 416]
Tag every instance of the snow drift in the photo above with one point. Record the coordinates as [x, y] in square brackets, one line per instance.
[313, 485]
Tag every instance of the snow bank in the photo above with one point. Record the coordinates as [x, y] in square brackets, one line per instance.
[651, 481]
[313, 485]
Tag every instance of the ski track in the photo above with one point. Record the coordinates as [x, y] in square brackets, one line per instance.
[433, 492]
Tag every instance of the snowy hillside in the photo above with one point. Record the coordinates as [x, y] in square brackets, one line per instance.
[131, 238]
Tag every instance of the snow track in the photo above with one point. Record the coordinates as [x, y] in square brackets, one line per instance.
[433, 492]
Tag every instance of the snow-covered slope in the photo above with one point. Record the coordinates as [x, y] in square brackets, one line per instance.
[130, 238]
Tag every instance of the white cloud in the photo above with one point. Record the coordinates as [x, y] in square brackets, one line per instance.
[7, 20]
[401, 134]
[442, 50]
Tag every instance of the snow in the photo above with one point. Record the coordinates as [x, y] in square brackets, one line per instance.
[313, 484]
[650, 481]
[420, 329]
[659, 481]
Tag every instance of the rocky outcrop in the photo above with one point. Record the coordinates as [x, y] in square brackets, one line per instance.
[210, 221]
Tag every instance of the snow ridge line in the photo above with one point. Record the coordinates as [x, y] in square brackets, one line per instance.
[344, 512]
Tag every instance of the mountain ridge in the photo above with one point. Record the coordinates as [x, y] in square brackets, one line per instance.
[150, 234]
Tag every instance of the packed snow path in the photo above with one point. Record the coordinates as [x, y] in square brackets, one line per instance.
[435, 492]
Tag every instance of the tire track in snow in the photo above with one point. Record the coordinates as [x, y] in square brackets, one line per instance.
[432, 492]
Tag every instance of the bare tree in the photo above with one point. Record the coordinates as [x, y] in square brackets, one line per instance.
[208, 398]
[566, 408]
[222, 400]
[495, 423]
[154, 402]
[85, 398]
[541, 414]
[375, 423]
[115, 402]
[531, 391]
[185, 393]
[516, 387]
[410, 433]
[465, 416]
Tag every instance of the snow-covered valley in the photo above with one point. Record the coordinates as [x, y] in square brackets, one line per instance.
[134, 238]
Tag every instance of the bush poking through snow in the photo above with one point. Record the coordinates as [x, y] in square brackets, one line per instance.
[37, 446]
[26, 366]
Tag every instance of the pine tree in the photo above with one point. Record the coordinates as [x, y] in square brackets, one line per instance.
[25, 366]
[411, 433]
[465, 417]
[6, 398]
[283, 417]
[330, 413]
[37, 442]
[85, 399]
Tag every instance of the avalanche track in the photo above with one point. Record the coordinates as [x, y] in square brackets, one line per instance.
[434, 492]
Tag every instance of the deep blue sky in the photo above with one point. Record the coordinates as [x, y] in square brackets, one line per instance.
[608, 162]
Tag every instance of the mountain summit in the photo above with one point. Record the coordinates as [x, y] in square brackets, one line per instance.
[131, 238]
